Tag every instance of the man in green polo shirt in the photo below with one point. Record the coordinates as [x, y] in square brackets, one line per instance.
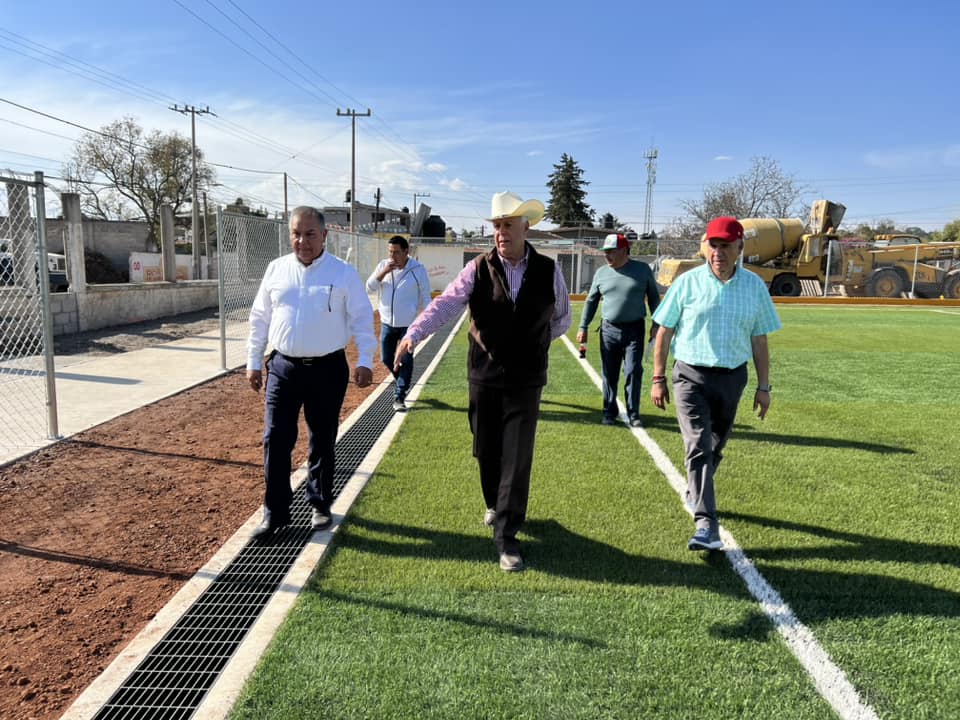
[623, 284]
[714, 319]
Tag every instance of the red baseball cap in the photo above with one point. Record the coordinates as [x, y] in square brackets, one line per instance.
[726, 229]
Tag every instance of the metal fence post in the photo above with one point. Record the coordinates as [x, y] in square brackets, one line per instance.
[826, 279]
[221, 293]
[53, 427]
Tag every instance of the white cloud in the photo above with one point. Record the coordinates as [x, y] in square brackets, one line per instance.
[723, 158]
[534, 153]
[916, 157]
[457, 185]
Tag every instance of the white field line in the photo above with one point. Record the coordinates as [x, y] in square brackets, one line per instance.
[831, 682]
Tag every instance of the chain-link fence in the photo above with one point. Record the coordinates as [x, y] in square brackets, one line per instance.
[27, 390]
[361, 251]
[245, 246]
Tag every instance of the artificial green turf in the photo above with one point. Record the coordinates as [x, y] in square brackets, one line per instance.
[843, 498]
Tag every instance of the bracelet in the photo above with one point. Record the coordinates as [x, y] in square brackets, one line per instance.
[659, 381]
[658, 377]
[763, 388]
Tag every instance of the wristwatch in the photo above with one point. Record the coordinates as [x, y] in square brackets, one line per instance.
[763, 388]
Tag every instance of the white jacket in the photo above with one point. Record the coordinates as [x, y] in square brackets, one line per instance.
[403, 293]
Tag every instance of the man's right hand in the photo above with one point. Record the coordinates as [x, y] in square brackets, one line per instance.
[403, 347]
[660, 394]
[255, 378]
[388, 268]
[581, 336]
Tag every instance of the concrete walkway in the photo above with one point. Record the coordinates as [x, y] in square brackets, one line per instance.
[92, 390]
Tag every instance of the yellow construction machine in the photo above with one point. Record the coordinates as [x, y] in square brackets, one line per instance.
[784, 255]
[889, 270]
[779, 250]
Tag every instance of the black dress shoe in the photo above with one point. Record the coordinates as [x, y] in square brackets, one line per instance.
[267, 528]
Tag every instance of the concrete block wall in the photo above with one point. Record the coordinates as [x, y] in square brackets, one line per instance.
[115, 239]
[120, 304]
[66, 317]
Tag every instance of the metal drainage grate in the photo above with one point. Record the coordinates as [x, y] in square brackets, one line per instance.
[171, 681]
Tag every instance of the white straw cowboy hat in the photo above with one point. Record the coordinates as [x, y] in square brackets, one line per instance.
[507, 204]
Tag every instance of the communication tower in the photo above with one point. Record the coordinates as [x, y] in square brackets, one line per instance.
[651, 157]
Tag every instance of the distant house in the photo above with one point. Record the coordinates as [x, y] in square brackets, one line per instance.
[589, 236]
[385, 219]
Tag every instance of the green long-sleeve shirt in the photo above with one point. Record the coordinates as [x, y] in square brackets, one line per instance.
[623, 291]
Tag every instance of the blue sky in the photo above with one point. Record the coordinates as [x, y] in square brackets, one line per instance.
[856, 100]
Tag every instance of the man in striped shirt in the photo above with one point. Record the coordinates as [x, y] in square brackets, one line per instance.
[518, 304]
[713, 319]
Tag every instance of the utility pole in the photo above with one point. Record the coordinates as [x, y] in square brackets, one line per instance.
[376, 214]
[651, 156]
[353, 115]
[286, 212]
[195, 220]
[415, 196]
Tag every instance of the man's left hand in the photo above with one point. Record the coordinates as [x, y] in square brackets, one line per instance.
[362, 376]
[761, 403]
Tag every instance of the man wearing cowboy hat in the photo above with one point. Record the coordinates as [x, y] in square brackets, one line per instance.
[518, 304]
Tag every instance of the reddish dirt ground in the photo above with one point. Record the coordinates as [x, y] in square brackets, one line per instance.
[100, 530]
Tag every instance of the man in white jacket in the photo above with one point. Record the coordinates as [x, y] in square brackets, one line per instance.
[404, 291]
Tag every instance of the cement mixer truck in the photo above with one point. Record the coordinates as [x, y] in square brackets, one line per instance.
[779, 250]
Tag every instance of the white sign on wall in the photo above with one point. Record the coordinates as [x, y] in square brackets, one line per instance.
[146, 267]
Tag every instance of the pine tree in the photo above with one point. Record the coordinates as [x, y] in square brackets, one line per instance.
[566, 183]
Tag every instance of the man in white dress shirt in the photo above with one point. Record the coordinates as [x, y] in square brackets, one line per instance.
[309, 305]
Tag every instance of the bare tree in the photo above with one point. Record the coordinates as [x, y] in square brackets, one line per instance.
[764, 190]
[123, 173]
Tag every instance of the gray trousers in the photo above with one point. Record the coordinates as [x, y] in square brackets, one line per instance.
[706, 400]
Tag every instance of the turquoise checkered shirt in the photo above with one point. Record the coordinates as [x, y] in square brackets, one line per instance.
[714, 321]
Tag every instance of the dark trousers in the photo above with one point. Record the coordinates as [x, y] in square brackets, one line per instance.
[504, 426]
[317, 385]
[621, 344]
[706, 400]
[390, 337]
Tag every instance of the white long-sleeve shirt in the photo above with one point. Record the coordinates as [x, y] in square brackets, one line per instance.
[310, 310]
[403, 293]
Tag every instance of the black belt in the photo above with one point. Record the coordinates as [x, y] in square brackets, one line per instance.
[308, 361]
[716, 370]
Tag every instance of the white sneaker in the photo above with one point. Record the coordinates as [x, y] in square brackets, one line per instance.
[399, 406]
[489, 516]
[510, 562]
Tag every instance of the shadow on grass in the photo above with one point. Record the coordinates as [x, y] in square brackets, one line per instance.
[551, 548]
[855, 546]
[512, 629]
[818, 442]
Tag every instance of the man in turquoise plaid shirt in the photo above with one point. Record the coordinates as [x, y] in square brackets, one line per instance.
[714, 319]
